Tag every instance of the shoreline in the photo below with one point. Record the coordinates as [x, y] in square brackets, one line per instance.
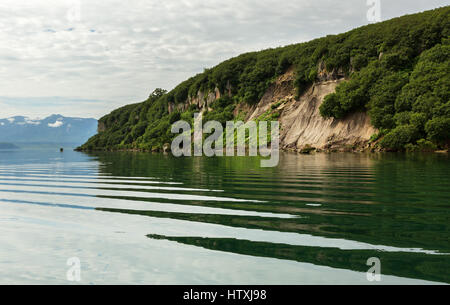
[307, 151]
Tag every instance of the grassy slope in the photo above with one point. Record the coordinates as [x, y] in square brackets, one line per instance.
[397, 70]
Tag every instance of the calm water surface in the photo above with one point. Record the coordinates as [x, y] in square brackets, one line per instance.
[134, 218]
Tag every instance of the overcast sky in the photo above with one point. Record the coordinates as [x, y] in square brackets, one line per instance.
[86, 58]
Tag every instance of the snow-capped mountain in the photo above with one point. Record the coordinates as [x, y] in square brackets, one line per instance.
[55, 129]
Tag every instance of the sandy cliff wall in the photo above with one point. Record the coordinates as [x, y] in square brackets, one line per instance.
[300, 120]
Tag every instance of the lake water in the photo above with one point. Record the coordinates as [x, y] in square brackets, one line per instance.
[135, 218]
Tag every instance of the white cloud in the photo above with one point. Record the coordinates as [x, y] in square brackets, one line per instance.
[121, 50]
[32, 122]
[57, 124]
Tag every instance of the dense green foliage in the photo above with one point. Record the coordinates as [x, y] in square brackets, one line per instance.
[397, 71]
[409, 102]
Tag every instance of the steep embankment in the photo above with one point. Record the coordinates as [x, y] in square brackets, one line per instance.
[303, 126]
[384, 85]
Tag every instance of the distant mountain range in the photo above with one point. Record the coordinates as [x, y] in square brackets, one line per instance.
[55, 129]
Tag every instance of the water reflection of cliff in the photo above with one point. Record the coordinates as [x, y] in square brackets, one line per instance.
[379, 199]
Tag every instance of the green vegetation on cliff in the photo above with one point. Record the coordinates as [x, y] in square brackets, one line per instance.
[408, 103]
[397, 70]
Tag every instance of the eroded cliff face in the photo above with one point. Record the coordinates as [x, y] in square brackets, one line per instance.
[101, 127]
[300, 120]
[202, 100]
[301, 125]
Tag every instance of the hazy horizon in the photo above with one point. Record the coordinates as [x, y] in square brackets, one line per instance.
[82, 59]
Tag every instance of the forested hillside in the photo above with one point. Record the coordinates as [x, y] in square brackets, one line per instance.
[397, 71]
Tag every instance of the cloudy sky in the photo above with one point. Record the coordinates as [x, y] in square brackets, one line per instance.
[86, 58]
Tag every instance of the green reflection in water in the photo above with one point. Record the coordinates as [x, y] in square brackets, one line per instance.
[393, 200]
[332, 227]
[408, 265]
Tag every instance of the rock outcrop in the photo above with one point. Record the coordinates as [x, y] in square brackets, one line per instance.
[301, 124]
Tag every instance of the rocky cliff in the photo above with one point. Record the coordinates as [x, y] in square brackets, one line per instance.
[301, 124]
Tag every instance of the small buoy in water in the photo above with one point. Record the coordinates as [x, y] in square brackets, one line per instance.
[61, 149]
